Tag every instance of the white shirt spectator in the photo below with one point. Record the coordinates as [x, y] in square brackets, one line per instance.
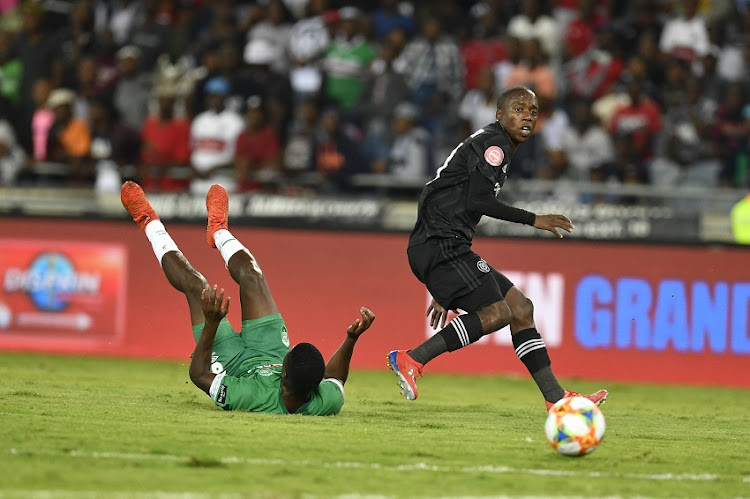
[409, 157]
[213, 140]
[308, 39]
[587, 150]
[544, 28]
[476, 110]
[553, 130]
[685, 37]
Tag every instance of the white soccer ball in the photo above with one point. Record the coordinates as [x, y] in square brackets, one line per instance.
[575, 426]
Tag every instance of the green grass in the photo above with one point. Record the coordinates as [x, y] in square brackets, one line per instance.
[100, 427]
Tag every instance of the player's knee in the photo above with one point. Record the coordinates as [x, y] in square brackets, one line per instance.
[250, 275]
[523, 310]
[194, 284]
[495, 316]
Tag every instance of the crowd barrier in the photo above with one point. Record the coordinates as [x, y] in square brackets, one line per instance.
[608, 311]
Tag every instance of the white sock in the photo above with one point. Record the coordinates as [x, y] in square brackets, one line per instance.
[161, 242]
[227, 244]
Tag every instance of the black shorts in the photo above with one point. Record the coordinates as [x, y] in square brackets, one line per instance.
[456, 276]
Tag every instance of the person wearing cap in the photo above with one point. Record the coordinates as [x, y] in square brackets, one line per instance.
[258, 146]
[213, 139]
[133, 91]
[347, 60]
[69, 139]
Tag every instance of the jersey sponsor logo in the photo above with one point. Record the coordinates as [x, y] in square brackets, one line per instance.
[285, 336]
[494, 156]
[482, 266]
[222, 396]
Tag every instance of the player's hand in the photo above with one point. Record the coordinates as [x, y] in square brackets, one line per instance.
[554, 222]
[213, 304]
[361, 325]
[439, 314]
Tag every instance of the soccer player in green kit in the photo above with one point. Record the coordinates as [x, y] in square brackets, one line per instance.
[254, 370]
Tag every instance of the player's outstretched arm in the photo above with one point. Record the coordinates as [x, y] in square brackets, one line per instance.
[214, 309]
[553, 222]
[338, 365]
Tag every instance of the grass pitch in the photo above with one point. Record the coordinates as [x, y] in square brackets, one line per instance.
[86, 427]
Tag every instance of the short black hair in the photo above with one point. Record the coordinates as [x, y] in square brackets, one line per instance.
[510, 92]
[304, 367]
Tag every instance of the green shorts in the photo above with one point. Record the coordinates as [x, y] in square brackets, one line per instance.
[266, 338]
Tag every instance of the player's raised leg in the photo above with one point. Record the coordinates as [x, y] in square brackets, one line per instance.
[532, 351]
[180, 274]
[255, 297]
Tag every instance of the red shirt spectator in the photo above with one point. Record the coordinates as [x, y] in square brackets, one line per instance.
[580, 33]
[165, 143]
[258, 146]
[641, 120]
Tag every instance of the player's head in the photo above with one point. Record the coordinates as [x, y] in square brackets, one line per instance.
[517, 112]
[303, 369]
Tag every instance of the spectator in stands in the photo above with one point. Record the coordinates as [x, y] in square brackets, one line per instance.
[532, 22]
[653, 60]
[42, 119]
[11, 70]
[641, 19]
[213, 138]
[479, 106]
[38, 53]
[595, 72]
[218, 26]
[258, 146]
[274, 88]
[384, 90]
[150, 35]
[503, 68]
[409, 156]
[685, 36]
[299, 151]
[274, 27]
[392, 14]
[689, 153]
[672, 92]
[484, 48]
[586, 144]
[113, 145]
[534, 71]
[165, 144]
[210, 68]
[119, 17]
[86, 87]
[640, 120]
[69, 139]
[347, 60]
[77, 39]
[580, 33]
[433, 67]
[337, 155]
[732, 134]
[132, 92]
[308, 41]
[435, 76]
[12, 156]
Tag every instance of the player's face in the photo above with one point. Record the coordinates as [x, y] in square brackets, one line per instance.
[518, 116]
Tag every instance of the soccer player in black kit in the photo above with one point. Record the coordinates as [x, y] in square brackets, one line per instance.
[450, 207]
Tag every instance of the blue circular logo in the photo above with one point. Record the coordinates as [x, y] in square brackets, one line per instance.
[52, 279]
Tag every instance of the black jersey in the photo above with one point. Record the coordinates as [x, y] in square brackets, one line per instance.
[443, 210]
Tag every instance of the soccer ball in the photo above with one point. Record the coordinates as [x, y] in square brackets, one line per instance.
[574, 426]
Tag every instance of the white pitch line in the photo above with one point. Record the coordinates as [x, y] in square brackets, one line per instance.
[491, 469]
[95, 494]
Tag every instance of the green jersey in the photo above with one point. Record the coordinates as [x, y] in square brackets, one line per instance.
[248, 369]
[259, 390]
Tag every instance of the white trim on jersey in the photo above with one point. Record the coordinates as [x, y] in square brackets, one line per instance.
[453, 153]
[213, 392]
[338, 383]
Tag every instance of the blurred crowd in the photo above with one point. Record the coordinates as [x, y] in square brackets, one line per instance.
[179, 94]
